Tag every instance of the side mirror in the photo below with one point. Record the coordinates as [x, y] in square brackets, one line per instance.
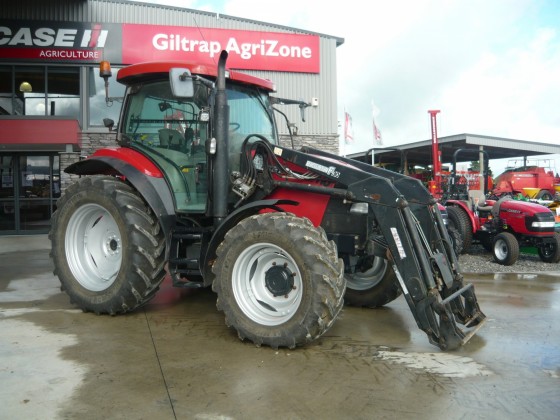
[181, 81]
[109, 123]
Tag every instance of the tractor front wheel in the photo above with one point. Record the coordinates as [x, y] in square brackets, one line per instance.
[505, 248]
[278, 279]
[107, 246]
[550, 252]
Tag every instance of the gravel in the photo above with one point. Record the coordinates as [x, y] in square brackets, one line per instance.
[478, 260]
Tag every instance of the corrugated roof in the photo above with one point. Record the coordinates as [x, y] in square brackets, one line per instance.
[420, 153]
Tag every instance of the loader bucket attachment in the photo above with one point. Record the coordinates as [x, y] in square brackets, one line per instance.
[460, 307]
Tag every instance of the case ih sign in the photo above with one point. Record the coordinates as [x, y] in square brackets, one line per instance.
[73, 42]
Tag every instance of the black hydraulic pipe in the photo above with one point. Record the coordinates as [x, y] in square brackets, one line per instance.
[221, 181]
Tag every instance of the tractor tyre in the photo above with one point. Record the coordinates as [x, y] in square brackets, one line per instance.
[505, 248]
[459, 219]
[107, 246]
[279, 280]
[550, 252]
[371, 282]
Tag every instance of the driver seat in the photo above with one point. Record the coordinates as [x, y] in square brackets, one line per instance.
[478, 200]
[171, 139]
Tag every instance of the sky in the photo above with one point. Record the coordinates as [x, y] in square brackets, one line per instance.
[492, 67]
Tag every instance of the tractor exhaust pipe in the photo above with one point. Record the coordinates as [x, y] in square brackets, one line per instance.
[221, 180]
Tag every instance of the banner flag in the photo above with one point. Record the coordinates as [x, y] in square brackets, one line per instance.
[348, 134]
[377, 139]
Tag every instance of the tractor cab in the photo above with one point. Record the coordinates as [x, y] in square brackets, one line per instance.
[170, 121]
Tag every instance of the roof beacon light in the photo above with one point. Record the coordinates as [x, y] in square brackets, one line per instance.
[105, 69]
[105, 72]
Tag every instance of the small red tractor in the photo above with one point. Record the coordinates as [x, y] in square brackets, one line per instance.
[502, 225]
[200, 188]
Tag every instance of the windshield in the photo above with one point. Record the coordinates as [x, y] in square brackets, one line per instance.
[248, 113]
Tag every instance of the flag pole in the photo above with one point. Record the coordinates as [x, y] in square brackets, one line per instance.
[344, 134]
[373, 129]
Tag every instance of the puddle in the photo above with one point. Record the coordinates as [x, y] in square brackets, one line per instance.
[39, 287]
[35, 379]
[443, 364]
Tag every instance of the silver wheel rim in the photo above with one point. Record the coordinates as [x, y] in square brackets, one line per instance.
[500, 249]
[250, 290]
[364, 280]
[93, 247]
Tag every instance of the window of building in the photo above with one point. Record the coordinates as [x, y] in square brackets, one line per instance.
[63, 96]
[6, 90]
[40, 91]
[29, 91]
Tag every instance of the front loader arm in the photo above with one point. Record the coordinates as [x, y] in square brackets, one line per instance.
[409, 227]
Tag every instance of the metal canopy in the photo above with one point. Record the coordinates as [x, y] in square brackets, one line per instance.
[420, 153]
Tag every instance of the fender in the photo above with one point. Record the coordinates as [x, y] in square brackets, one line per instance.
[229, 222]
[142, 174]
[124, 154]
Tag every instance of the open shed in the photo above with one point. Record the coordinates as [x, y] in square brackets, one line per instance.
[471, 145]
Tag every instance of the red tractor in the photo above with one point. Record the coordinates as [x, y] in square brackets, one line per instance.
[200, 187]
[501, 225]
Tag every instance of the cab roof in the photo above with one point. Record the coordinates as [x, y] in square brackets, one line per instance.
[156, 70]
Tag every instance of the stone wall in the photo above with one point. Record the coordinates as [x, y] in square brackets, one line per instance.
[326, 143]
[90, 142]
[93, 141]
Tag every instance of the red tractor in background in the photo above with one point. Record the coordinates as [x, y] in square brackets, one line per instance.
[501, 224]
[283, 237]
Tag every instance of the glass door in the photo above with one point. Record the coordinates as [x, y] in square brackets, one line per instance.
[30, 187]
[7, 195]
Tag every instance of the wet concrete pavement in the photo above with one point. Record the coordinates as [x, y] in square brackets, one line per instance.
[175, 358]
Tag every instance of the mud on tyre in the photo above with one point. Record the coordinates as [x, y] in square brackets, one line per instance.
[279, 280]
[107, 247]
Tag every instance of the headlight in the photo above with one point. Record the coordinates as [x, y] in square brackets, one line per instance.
[542, 224]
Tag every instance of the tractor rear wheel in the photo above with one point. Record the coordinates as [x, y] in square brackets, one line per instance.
[370, 282]
[550, 252]
[505, 248]
[459, 219]
[279, 280]
[107, 246]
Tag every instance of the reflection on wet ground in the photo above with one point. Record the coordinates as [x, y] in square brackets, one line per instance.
[175, 358]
